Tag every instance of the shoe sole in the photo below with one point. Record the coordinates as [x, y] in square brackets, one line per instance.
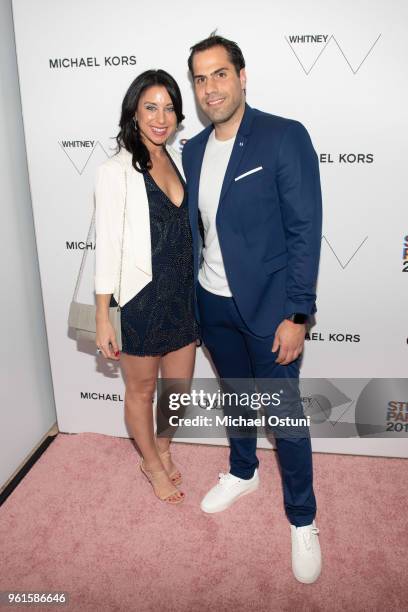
[231, 502]
[306, 580]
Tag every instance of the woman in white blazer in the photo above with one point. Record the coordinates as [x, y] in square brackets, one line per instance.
[144, 263]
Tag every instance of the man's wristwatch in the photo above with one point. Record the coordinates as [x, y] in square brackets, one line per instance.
[298, 317]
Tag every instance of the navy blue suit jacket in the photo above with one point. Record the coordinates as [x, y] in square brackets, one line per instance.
[269, 223]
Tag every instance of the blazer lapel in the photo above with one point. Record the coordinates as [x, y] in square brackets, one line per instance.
[193, 186]
[234, 161]
[137, 216]
[237, 150]
[197, 161]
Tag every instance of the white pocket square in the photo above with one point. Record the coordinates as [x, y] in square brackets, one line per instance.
[248, 173]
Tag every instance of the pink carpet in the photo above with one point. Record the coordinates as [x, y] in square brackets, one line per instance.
[85, 521]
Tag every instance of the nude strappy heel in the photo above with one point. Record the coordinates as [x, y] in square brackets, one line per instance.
[154, 479]
[175, 476]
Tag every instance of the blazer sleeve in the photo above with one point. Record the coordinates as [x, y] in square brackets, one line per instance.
[301, 207]
[109, 206]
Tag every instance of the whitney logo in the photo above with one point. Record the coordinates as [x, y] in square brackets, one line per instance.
[80, 148]
[343, 265]
[295, 40]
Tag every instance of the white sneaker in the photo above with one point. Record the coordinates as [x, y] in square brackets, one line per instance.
[227, 491]
[306, 554]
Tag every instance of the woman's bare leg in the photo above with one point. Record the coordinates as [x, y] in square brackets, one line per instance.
[140, 375]
[176, 365]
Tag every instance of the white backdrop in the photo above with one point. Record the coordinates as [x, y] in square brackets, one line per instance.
[337, 67]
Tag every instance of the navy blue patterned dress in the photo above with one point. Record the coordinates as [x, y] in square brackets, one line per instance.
[160, 318]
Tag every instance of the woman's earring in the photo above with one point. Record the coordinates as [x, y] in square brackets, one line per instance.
[135, 124]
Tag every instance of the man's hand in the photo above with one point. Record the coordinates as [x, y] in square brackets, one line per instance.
[289, 338]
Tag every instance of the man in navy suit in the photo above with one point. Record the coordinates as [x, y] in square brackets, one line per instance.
[254, 189]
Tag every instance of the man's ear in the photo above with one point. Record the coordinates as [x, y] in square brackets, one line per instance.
[243, 78]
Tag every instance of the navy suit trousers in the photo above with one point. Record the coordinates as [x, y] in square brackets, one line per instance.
[237, 353]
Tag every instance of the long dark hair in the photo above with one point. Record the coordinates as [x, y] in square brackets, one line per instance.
[128, 136]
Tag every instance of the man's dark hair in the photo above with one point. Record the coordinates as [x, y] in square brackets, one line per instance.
[234, 52]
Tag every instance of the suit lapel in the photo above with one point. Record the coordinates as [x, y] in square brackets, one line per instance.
[238, 150]
[234, 161]
[193, 186]
[196, 157]
[197, 161]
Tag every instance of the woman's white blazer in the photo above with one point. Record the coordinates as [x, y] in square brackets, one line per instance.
[110, 190]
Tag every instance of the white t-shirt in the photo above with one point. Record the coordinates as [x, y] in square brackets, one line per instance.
[216, 157]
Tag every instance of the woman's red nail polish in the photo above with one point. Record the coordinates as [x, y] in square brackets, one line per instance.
[116, 353]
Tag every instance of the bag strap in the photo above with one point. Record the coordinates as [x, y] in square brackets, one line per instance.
[81, 268]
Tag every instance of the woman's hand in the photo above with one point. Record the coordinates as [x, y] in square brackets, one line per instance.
[106, 338]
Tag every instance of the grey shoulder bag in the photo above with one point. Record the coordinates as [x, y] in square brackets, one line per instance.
[82, 317]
